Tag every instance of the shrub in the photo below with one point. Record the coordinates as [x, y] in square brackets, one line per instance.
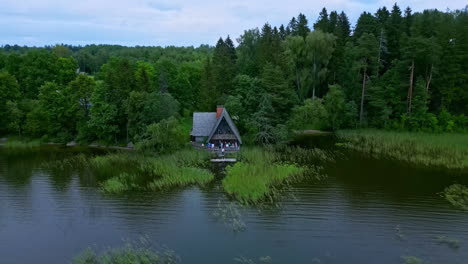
[163, 137]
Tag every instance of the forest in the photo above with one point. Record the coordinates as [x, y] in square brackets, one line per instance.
[394, 70]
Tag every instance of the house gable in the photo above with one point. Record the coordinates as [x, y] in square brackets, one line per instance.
[225, 116]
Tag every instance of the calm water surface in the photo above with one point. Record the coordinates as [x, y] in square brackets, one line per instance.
[366, 211]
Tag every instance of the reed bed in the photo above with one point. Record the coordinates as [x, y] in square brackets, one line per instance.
[457, 195]
[412, 260]
[229, 214]
[449, 241]
[134, 172]
[444, 150]
[17, 144]
[257, 175]
[139, 252]
[70, 164]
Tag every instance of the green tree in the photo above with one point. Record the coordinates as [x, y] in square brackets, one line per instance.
[81, 90]
[261, 124]
[223, 69]
[163, 137]
[295, 51]
[323, 22]
[367, 52]
[207, 95]
[118, 81]
[311, 115]
[335, 106]
[247, 51]
[280, 94]
[66, 70]
[302, 27]
[319, 48]
[103, 121]
[366, 23]
[144, 77]
[36, 68]
[9, 93]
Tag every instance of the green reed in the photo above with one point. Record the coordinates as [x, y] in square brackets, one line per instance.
[257, 175]
[139, 252]
[69, 164]
[445, 150]
[449, 241]
[124, 172]
[17, 144]
[457, 195]
[229, 214]
[412, 260]
[261, 260]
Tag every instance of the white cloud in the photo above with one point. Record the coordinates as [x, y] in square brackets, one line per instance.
[164, 22]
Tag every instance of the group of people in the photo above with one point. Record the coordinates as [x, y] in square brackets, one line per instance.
[222, 146]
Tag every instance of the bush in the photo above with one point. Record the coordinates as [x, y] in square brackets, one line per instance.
[163, 137]
[311, 115]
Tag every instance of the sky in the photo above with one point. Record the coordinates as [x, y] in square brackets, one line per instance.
[167, 22]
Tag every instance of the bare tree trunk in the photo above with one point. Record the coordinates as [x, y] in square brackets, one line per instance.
[363, 93]
[313, 92]
[428, 80]
[410, 90]
[380, 50]
[314, 69]
[128, 125]
[298, 83]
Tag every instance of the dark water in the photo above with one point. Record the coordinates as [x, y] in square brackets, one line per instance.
[366, 211]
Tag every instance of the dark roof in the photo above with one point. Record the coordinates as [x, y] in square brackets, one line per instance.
[231, 124]
[205, 124]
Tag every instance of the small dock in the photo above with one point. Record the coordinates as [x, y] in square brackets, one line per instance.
[223, 160]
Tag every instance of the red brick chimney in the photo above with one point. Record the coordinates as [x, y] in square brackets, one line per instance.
[219, 110]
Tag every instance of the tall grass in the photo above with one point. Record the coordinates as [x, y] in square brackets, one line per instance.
[17, 144]
[172, 175]
[255, 177]
[449, 241]
[131, 252]
[70, 164]
[132, 172]
[457, 195]
[229, 214]
[412, 260]
[445, 150]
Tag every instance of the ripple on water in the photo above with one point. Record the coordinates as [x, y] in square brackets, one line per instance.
[337, 221]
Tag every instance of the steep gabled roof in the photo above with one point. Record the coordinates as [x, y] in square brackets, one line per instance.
[225, 115]
[203, 124]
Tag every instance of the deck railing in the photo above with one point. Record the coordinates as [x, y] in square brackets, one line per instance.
[216, 149]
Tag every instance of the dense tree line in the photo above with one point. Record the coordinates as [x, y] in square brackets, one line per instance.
[395, 69]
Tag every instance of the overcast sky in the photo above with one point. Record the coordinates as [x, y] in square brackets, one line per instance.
[166, 22]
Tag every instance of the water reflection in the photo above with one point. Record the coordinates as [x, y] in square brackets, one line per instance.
[366, 211]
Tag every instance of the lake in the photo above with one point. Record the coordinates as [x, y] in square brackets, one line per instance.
[366, 211]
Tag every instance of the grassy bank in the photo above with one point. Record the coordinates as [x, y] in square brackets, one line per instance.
[445, 150]
[20, 144]
[257, 175]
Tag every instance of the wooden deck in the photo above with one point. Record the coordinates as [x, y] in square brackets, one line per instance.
[215, 149]
[223, 160]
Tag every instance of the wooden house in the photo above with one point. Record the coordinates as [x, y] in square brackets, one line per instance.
[215, 128]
